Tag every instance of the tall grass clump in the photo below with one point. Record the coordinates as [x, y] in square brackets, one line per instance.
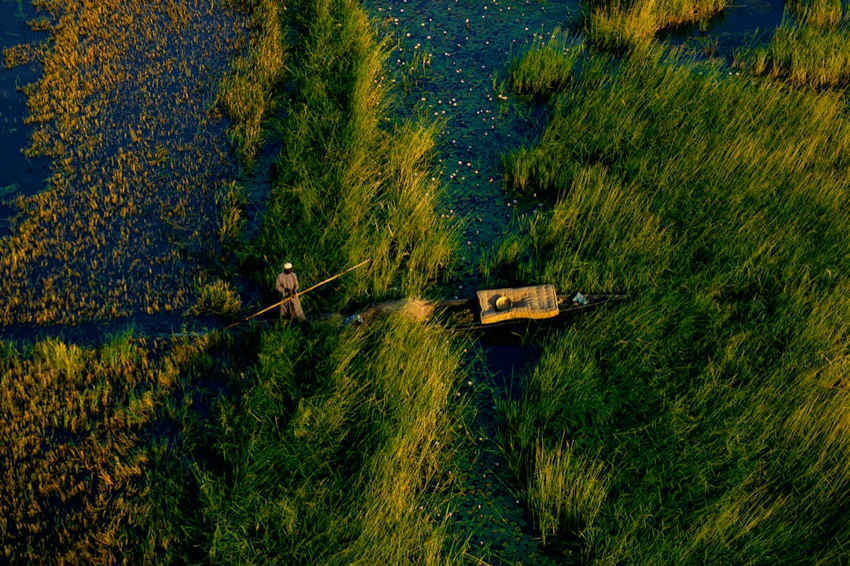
[810, 48]
[566, 491]
[337, 449]
[593, 238]
[247, 92]
[349, 186]
[819, 13]
[715, 399]
[216, 297]
[546, 66]
[619, 25]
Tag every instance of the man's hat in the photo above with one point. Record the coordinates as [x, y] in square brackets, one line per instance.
[287, 265]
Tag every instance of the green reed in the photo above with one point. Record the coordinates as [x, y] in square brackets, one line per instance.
[715, 398]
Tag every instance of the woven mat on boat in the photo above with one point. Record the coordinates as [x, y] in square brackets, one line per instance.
[539, 301]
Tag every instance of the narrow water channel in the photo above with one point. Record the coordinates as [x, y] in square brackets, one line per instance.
[450, 58]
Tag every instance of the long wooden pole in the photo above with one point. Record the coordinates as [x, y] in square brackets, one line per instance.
[298, 294]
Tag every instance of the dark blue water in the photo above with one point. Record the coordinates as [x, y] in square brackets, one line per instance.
[471, 44]
[742, 24]
[19, 175]
[140, 172]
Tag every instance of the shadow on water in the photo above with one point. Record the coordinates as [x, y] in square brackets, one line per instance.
[507, 358]
[742, 23]
[98, 333]
[19, 175]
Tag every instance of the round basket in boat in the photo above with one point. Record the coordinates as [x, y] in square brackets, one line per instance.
[503, 303]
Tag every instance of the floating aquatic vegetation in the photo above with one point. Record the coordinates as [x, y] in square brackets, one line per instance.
[125, 108]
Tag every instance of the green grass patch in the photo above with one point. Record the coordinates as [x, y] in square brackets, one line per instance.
[810, 48]
[337, 449]
[619, 25]
[715, 400]
[546, 67]
[350, 185]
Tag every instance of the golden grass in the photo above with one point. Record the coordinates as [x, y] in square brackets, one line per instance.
[820, 13]
[123, 108]
[565, 491]
[217, 297]
[74, 433]
[810, 48]
[623, 24]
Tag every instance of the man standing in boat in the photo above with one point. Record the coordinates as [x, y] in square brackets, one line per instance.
[287, 285]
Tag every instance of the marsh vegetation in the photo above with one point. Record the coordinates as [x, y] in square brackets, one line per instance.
[350, 186]
[627, 24]
[710, 409]
[703, 420]
[122, 108]
[82, 434]
[809, 48]
[352, 462]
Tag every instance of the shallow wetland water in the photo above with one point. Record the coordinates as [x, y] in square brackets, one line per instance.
[466, 47]
[741, 24]
[19, 175]
[156, 132]
[449, 61]
[125, 108]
